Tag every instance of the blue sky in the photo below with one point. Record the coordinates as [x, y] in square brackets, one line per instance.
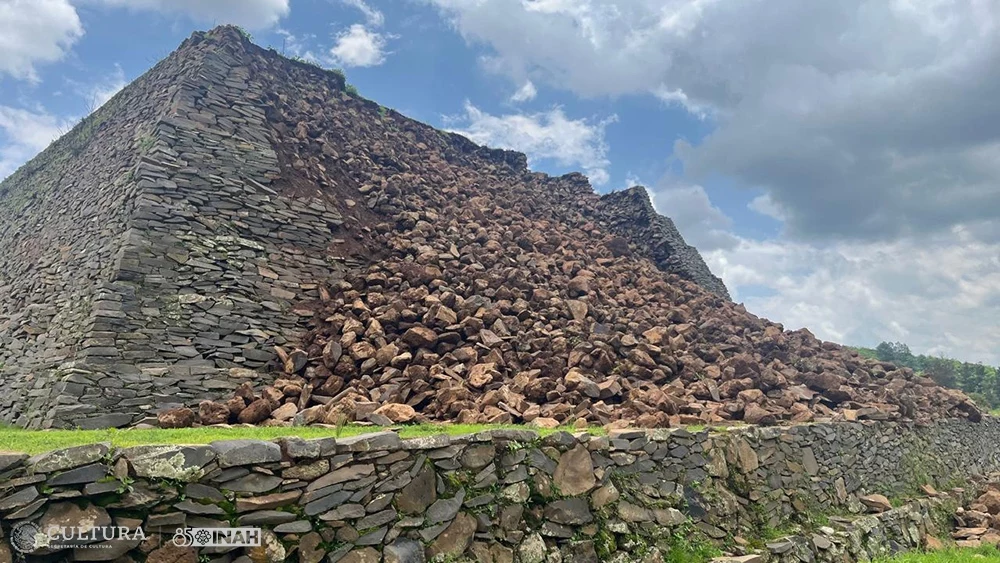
[836, 164]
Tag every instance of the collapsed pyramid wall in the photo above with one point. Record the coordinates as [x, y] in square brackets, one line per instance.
[158, 251]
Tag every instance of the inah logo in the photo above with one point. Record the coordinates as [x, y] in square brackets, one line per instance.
[24, 536]
[217, 537]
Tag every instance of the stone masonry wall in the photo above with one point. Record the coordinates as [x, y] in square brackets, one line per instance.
[63, 218]
[508, 495]
[631, 214]
[172, 280]
[216, 259]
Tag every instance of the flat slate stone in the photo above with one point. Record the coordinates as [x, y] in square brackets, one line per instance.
[86, 474]
[8, 460]
[253, 483]
[19, 499]
[298, 448]
[326, 503]
[265, 517]
[28, 510]
[445, 509]
[182, 463]
[234, 453]
[61, 460]
[349, 473]
[110, 420]
[370, 442]
[192, 507]
[296, 527]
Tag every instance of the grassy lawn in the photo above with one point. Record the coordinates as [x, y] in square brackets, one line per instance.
[36, 441]
[987, 554]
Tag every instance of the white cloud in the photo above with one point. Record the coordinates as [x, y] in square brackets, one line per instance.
[298, 46]
[543, 135]
[34, 32]
[25, 133]
[871, 127]
[863, 119]
[940, 296]
[358, 46]
[632, 180]
[679, 98]
[253, 14]
[766, 206]
[525, 93]
[372, 16]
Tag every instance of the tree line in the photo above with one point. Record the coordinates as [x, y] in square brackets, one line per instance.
[978, 381]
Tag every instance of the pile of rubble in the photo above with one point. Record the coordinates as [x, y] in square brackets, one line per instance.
[492, 294]
[979, 523]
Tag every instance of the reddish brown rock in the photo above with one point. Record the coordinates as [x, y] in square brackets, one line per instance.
[420, 337]
[211, 412]
[455, 258]
[397, 412]
[181, 417]
[255, 412]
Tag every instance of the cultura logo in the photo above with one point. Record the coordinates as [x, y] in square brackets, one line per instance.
[27, 537]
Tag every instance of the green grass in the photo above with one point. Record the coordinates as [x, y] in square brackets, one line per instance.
[36, 441]
[987, 554]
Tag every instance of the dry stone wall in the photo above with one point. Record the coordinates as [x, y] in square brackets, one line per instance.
[509, 495]
[217, 258]
[63, 219]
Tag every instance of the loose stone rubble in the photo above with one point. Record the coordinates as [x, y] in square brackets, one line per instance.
[236, 217]
[508, 496]
[978, 523]
[497, 295]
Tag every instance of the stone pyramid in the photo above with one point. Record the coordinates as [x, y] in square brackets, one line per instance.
[155, 254]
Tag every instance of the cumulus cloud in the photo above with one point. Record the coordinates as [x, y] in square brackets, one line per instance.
[253, 14]
[548, 135]
[766, 206]
[525, 93]
[359, 46]
[939, 295]
[862, 119]
[23, 133]
[34, 32]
